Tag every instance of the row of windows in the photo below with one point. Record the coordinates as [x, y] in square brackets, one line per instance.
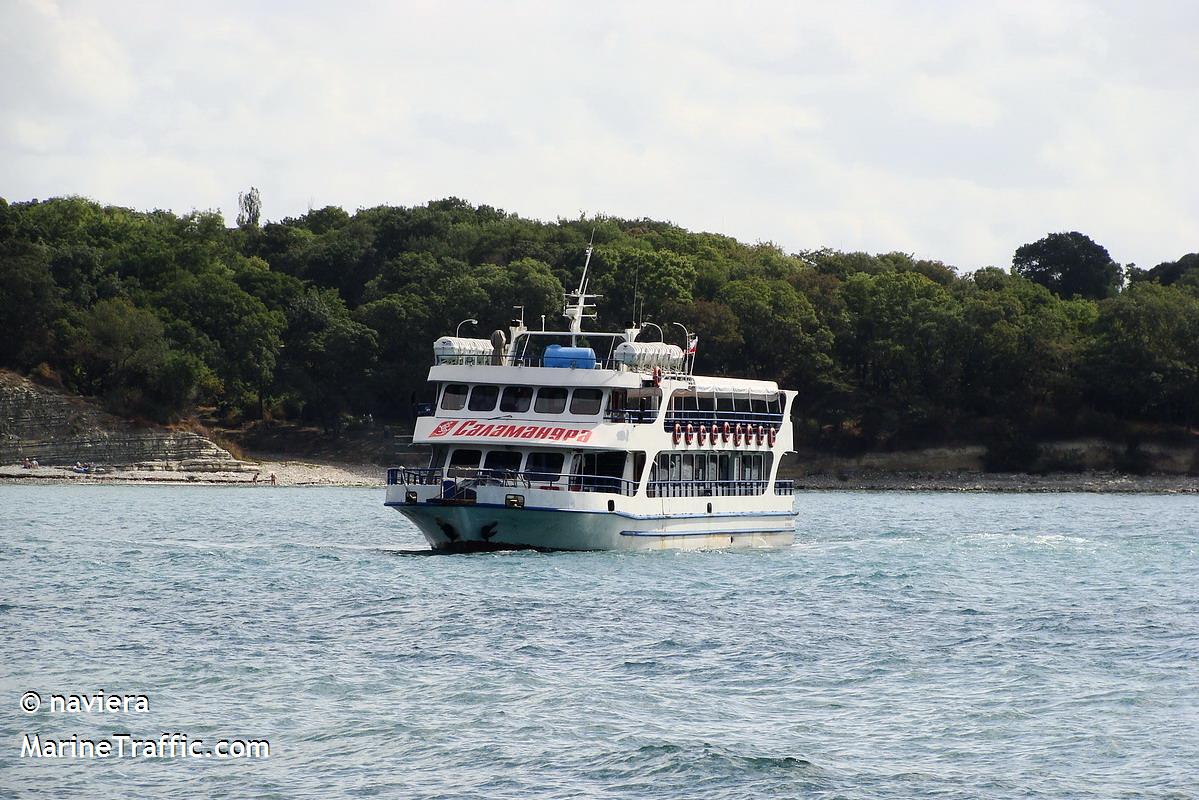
[668, 466]
[546, 466]
[518, 399]
[728, 402]
[710, 467]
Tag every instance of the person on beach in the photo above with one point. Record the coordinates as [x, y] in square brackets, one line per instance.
[255, 478]
[272, 479]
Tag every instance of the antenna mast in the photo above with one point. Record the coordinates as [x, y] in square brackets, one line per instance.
[577, 310]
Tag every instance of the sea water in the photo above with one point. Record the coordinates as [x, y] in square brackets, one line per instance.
[908, 645]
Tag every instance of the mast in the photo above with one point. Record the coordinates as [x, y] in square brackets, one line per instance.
[576, 305]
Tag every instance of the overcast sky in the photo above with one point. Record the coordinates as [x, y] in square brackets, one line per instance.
[954, 130]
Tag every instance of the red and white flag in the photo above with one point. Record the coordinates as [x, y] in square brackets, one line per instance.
[691, 345]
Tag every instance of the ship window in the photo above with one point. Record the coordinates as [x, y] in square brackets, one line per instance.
[675, 466]
[751, 467]
[759, 405]
[482, 398]
[502, 460]
[544, 466]
[454, 396]
[516, 399]
[437, 456]
[706, 402]
[586, 401]
[550, 400]
[688, 467]
[724, 402]
[463, 462]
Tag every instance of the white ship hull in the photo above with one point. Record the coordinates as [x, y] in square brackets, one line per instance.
[473, 527]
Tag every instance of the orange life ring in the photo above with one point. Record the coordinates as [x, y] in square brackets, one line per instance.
[737, 433]
[761, 436]
[701, 435]
[690, 433]
[772, 435]
[724, 436]
[678, 432]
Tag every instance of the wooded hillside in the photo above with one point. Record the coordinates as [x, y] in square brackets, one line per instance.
[332, 315]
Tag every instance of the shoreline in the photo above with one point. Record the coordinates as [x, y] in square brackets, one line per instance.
[1008, 482]
[287, 474]
[340, 474]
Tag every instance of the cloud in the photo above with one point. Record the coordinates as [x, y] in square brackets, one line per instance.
[955, 131]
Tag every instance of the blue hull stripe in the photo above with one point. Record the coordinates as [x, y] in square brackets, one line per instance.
[627, 514]
[668, 534]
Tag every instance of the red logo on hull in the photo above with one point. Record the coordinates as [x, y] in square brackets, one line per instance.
[487, 430]
[442, 429]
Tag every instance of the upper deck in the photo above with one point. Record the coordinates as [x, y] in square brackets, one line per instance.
[590, 390]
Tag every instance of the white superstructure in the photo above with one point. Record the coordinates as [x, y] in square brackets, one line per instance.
[573, 440]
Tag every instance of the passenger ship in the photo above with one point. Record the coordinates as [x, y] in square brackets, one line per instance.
[573, 440]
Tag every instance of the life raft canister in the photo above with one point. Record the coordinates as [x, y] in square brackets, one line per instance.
[772, 435]
[678, 432]
[737, 433]
[690, 433]
[724, 436]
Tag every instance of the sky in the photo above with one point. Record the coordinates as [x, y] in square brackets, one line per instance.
[954, 131]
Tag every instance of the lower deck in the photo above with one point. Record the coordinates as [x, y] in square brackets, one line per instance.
[452, 527]
[507, 513]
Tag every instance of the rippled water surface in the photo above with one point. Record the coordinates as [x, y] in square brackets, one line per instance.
[908, 645]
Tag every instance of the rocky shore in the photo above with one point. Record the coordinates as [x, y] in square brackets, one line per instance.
[287, 473]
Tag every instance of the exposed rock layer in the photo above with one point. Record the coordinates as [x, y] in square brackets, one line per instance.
[58, 429]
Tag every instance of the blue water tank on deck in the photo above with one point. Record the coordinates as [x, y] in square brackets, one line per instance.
[578, 357]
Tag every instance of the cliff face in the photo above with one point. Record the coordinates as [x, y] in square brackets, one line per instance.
[59, 429]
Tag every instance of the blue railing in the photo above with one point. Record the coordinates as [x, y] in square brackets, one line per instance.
[705, 488]
[456, 481]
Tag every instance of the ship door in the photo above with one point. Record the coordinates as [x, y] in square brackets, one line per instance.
[598, 471]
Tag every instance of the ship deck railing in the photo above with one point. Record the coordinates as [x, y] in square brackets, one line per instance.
[454, 482]
[536, 361]
[696, 418]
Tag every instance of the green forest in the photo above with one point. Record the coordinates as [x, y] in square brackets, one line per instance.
[331, 316]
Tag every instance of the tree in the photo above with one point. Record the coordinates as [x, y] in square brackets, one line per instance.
[29, 302]
[239, 333]
[249, 208]
[720, 347]
[903, 351]
[1169, 272]
[1069, 265]
[327, 358]
[124, 357]
[1144, 361]
[784, 339]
